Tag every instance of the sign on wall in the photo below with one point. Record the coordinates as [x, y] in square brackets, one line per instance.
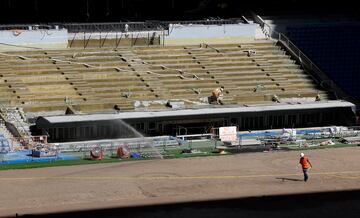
[228, 133]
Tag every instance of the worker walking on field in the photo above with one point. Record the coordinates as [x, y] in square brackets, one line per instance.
[305, 164]
[216, 96]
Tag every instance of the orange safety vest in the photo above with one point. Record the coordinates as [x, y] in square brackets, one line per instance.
[304, 161]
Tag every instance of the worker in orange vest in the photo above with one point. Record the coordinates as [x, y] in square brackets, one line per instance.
[305, 164]
[216, 95]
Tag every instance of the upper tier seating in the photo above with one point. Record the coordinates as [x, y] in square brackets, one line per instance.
[143, 78]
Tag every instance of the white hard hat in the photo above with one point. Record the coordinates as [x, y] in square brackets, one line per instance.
[302, 155]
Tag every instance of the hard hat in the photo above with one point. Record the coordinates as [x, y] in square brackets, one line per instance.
[302, 155]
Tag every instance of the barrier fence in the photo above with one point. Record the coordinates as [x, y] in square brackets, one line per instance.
[121, 26]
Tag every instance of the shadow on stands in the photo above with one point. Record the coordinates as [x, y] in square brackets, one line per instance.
[328, 204]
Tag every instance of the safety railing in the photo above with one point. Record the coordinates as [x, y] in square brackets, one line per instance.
[30, 26]
[318, 75]
[120, 26]
[198, 137]
[114, 27]
[142, 26]
[117, 39]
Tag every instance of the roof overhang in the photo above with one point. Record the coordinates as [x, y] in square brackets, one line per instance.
[196, 112]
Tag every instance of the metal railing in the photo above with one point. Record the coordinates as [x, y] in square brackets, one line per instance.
[318, 75]
[149, 25]
[30, 26]
[142, 26]
[105, 39]
[114, 27]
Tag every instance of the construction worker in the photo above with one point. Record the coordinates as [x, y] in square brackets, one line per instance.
[275, 98]
[216, 96]
[305, 164]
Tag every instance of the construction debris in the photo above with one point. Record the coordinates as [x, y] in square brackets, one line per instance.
[259, 87]
[126, 94]
[327, 142]
[250, 52]
[197, 91]
[175, 104]
[87, 65]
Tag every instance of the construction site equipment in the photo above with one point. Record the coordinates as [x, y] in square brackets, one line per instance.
[97, 153]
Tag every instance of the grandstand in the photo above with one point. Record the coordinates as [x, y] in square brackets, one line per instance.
[79, 92]
[98, 80]
[331, 42]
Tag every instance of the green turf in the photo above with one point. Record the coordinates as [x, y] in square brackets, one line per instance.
[206, 149]
[64, 163]
[327, 146]
[52, 164]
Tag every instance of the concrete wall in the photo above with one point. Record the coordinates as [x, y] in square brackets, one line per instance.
[42, 38]
[195, 34]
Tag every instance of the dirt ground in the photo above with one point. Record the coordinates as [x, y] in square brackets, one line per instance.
[140, 184]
